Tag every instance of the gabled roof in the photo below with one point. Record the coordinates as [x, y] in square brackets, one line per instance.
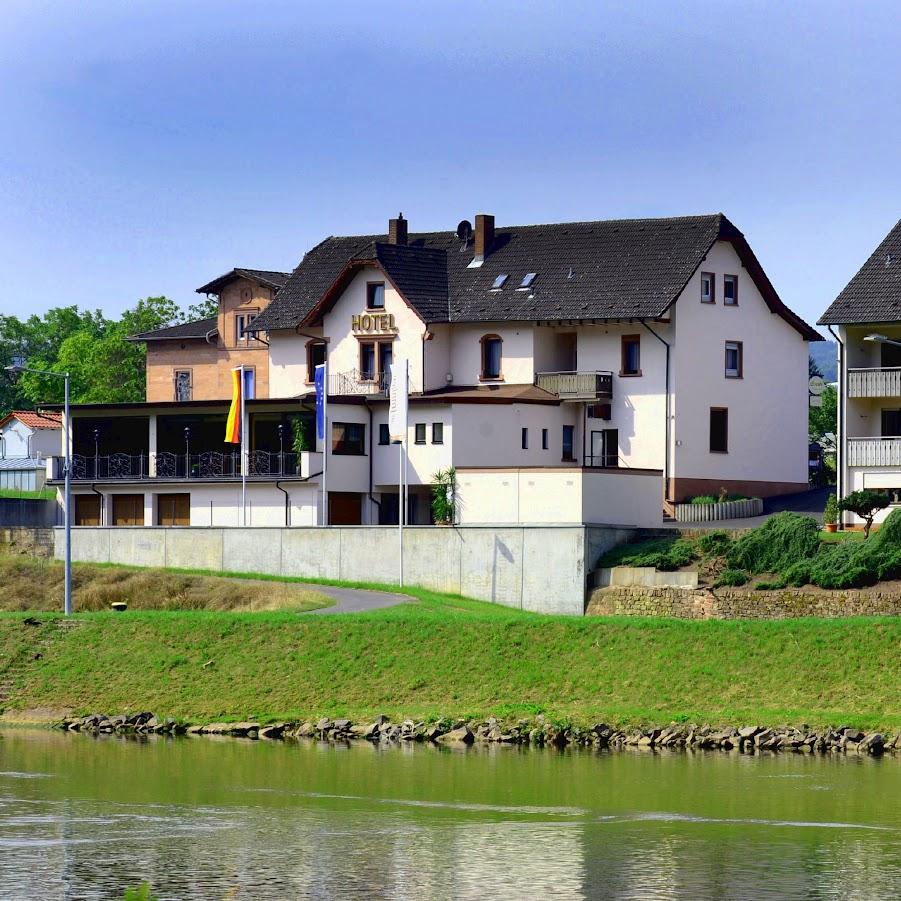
[874, 294]
[34, 419]
[266, 277]
[608, 270]
[22, 463]
[199, 328]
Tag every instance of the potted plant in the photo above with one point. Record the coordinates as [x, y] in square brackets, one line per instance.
[444, 496]
[830, 514]
[301, 436]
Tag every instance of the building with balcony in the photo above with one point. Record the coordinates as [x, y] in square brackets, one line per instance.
[575, 372]
[865, 320]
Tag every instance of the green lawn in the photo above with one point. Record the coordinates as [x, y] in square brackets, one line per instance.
[45, 494]
[454, 657]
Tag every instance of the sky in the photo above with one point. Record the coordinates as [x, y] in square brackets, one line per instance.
[147, 147]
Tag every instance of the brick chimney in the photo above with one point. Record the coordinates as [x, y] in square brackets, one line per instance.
[397, 230]
[484, 236]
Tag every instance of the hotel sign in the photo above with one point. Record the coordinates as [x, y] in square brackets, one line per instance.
[373, 322]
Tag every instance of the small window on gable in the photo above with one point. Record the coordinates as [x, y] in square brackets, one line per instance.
[734, 360]
[375, 296]
[525, 439]
[528, 280]
[719, 430]
[631, 355]
[730, 290]
[491, 357]
[498, 283]
[708, 287]
[544, 439]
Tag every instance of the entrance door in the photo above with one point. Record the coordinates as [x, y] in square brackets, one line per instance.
[605, 447]
[388, 507]
[345, 508]
[128, 509]
[173, 509]
[87, 510]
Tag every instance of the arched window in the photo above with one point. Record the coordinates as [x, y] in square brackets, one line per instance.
[491, 357]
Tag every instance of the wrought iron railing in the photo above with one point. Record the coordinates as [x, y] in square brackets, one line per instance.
[595, 385]
[354, 382]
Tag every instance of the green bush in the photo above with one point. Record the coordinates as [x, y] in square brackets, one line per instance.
[865, 504]
[731, 577]
[665, 554]
[703, 499]
[773, 547]
[830, 511]
[715, 543]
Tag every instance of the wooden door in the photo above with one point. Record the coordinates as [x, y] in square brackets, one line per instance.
[173, 509]
[345, 508]
[86, 510]
[128, 510]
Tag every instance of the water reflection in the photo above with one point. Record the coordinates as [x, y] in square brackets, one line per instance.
[83, 818]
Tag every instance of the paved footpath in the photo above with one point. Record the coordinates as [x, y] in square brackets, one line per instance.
[357, 600]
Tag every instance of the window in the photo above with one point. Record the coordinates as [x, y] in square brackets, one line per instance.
[528, 280]
[708, 287]
[349, 439]
[173, 509]
[544, 439]
[375, 296]
[604, 448]
[183, 384]
[891, 423]
[386, 355]
[525, 439]
[375, 360]
[730, 290]
[719, 430]
[498, 283]
[491, 357]
[384, 434]
[367, 361]
[631, 355]
[568, 433]
[437, 433]
[242, 322]
[734, 356]
[315, 357]
[419, 433]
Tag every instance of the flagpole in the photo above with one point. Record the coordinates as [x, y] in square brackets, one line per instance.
[243, 450]
[325, 442]
[406, 448]
[400, 511]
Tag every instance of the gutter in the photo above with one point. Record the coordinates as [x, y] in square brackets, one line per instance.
[372, 500]
[287, 502]
[100, 495]
[840, 442]
[666, 459]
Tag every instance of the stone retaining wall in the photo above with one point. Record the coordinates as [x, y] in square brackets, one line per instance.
[23, 540]
[738, 603]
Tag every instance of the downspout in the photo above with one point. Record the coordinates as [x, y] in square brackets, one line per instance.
[372, 500]
[666, 463]
[840, 438]
[287, 503]
[100, 495]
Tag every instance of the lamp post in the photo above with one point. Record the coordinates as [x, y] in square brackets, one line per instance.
[17, 368]
[881, 339]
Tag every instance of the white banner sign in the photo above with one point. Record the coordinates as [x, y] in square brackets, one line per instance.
[397, 401]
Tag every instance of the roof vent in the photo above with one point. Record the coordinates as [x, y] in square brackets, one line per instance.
[464, 233]
[889, 259]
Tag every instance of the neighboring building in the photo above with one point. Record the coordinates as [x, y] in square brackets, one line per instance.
[865, 318]
[193, 361]
[26, 439]
[575, 372]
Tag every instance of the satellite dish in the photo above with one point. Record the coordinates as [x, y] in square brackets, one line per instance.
[464, 230]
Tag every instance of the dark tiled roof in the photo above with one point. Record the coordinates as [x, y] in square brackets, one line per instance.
[613, 269]
[266, 277]
[199, 328]
[874, 294]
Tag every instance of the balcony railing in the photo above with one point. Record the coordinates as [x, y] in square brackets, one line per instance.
[204, 465]
[354, 382]
[874, 451]
[874, 382]
[595, 385]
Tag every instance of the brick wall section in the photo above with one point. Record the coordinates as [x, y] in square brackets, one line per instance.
[36, 542]
[735, 603]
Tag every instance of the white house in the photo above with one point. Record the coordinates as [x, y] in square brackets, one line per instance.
[27, 438]
[865, 320]
[589, 372]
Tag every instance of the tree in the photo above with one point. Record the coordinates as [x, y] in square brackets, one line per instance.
[813, 368]
[865, 504]
[822, 422]
[204, 309]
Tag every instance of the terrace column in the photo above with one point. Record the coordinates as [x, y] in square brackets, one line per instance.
[151, 445]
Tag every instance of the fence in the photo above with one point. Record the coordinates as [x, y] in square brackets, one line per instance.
[30, 513]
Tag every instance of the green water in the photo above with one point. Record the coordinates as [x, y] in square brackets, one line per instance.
[84, 817]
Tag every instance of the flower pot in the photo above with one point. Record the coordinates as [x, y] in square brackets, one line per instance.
[831, 526]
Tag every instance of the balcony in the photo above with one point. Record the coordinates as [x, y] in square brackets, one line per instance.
[205, 466]
[874, 451]
[353, 383]
[874, 382]
[590, 386]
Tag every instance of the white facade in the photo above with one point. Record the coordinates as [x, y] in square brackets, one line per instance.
[18, 440]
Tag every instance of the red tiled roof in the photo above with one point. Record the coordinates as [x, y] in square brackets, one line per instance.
[35, 420]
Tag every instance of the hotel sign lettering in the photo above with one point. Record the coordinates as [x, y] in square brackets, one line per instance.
[373, 322]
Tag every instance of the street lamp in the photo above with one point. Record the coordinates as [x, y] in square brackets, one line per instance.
[17, 368]
[881, 339]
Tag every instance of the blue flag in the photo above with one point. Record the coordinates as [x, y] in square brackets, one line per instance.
[321, 391]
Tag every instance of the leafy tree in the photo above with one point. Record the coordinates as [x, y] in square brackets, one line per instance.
[822, 422]
[203, 309]
[865, 504]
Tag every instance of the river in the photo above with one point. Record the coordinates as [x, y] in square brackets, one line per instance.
[84, 817]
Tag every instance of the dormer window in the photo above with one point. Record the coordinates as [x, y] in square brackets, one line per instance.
[375, 296]
[528, 280]
[499, 282]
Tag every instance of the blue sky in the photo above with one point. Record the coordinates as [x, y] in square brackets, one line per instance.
[146, 147]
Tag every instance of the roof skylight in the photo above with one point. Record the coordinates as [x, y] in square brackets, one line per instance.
[499, 282]
[527, 281]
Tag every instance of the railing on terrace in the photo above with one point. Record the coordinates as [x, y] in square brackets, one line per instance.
[595, 385]
[874, 451]
[353, 382]
[165, 465]
[874, 382]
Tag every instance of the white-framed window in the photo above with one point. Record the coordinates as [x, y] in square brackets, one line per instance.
[242, 321]
[730, 290]
[734, 361]
[708, 287]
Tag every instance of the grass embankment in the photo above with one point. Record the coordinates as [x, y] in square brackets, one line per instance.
[42, 494]
[36, 584]
[452, 657]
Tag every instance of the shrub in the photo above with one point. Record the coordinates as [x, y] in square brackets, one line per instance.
[773, 547]
[665, 554]
[775, 585]
[830, 511]
[731, 577]
[703, 499]
[865, 504]
[715, 543]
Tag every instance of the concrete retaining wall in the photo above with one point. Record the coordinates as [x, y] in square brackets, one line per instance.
[738, 603]
[539, 568]
[21, 540]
